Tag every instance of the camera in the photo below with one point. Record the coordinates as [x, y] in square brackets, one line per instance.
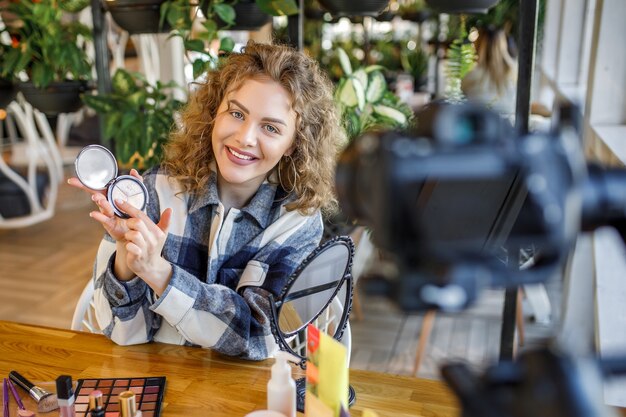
[455, 199]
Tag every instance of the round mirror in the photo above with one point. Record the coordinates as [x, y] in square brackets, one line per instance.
[312, 287]
[95, 167]
[319, 292]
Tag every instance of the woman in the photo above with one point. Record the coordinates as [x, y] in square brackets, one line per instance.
[234, 208]
[493, 80]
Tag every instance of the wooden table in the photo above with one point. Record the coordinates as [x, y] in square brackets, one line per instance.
[199, 382]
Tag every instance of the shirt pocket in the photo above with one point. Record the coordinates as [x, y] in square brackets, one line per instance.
[253, 275]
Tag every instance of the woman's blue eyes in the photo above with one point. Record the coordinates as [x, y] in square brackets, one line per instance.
[239, 115]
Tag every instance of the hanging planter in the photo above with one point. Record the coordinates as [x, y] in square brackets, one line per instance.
[417, 16]
[248, 16]
[461, 6]
[354, 8]
[7, 92]
[137, 16]
[56, 98]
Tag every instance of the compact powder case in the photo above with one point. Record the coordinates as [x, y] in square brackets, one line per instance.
[96, 168]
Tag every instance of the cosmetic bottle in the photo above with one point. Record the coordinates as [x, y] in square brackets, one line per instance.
[281, 388]
[96, 404]
[65, 395]
[128, 404]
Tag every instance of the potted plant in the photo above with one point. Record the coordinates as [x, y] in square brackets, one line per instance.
[181, 16]
[414, 11]
[365, 101]
[365, 104]
[7, 89]
[354, 8]
[46, 53]
[138, 117]
[461, 6]
[415, 62]
[461, 57]
[137, 16]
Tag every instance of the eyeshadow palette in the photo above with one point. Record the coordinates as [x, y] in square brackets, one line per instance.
[148, 394]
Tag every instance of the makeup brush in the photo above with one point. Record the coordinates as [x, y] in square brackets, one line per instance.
[5, 398]
[46, 401]
[21, 410]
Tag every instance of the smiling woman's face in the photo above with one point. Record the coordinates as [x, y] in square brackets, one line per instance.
[255, 126]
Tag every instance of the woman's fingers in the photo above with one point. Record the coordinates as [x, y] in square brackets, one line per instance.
[135, 174]
[136, 237]
[103, 204]
[133, 249]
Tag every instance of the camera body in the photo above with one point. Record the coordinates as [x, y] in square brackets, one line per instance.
[455, 200]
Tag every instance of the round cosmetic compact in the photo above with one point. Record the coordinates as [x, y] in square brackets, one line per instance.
[96, 168]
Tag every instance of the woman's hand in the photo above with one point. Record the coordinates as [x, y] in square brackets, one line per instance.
[144, 245]
[115, 226]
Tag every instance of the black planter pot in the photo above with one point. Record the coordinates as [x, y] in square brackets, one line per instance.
[58, 97]
[354, 7]
[461, 6]
[385, 16]
[248, 16]
[418, 17]
[7, 92]
[137, 16]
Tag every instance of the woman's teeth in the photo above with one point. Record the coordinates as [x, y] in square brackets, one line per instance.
[240, 156]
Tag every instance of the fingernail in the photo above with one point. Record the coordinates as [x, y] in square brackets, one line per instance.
[93, 198]
[119, 202]
[68, 181]
[90, 215]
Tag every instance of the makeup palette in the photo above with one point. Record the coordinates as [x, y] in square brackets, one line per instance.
[148, 394]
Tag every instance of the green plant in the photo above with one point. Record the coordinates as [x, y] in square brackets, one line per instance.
[461, 60]
[408, 7]
[138, 117]
[506, 14]
[365, 101]
[45, 47]
[180, 14]
[415, 62]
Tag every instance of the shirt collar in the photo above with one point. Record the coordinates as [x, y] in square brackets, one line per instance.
[258, 208]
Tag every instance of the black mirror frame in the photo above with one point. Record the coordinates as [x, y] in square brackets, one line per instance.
[275, 306]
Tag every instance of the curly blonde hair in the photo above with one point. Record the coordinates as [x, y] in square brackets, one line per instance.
[308, 173]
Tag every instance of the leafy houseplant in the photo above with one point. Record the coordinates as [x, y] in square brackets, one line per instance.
[50, 67]
[365, 101]
[7, 89]
[461, 59]
[415, 62]
[138, 117]
[46, 47]
[220, 15]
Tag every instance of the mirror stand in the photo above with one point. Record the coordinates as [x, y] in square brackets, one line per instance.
[301, 393]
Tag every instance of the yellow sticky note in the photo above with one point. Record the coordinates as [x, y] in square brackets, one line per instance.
[333, 373]
[314, 407]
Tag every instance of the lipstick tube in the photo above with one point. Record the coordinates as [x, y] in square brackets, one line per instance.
[96, 404]
[128, 404]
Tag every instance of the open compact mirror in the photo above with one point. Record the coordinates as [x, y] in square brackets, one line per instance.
[319, 292]
[96, 168]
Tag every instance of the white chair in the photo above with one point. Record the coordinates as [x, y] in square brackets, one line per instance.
[37, 150]
[84, 318]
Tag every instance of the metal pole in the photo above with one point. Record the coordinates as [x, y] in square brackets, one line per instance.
[526, 62]
[295, 24]
[102, 54]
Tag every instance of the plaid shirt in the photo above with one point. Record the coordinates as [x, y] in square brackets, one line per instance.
[224, 267]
